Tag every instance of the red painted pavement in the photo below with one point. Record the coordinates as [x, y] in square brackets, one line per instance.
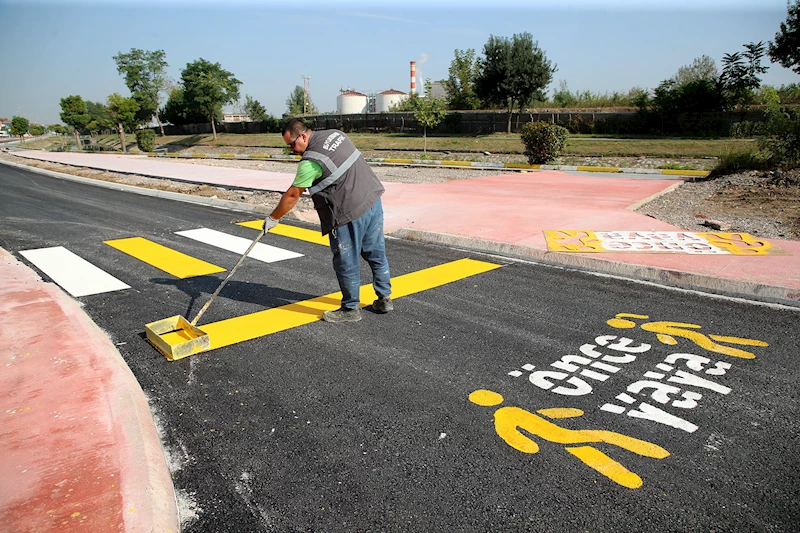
[78, 448]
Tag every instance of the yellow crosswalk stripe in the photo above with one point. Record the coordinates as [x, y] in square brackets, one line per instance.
[254, 325]
[293, 232]
[170, 261]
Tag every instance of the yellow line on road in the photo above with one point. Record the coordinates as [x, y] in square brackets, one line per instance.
[254, 325]
[293, 232]
[170, 261]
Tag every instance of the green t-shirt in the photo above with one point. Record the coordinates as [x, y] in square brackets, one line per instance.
[307, 172]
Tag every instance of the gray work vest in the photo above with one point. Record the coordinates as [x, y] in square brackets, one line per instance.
[348, 187]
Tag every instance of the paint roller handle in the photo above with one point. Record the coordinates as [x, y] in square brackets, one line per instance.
[229, 276]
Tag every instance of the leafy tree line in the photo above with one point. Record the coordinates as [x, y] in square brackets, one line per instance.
[199, 96]
[515, 73]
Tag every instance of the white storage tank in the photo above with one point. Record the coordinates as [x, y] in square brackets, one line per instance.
[350, 102]
[388, 99]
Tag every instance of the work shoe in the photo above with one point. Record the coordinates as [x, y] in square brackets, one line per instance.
[383, 305]
[342, 315]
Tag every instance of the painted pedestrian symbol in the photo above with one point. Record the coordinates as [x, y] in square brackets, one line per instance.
[667, 331]
[508, 421]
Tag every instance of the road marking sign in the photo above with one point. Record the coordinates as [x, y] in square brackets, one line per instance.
[171, 261]
[684, 242]
[262, 252]
[73, 273]
[254, 325]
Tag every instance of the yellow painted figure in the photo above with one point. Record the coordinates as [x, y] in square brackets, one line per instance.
[667, 331]
[509, 420]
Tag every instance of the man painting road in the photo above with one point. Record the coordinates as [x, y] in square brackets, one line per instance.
[347, 198]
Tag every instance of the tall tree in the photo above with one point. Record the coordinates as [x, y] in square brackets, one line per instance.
[702, 68]
[254, 109]
[786, 47]
[73, 113]
[208, 87]
[146, 78]
[178, 111]
[298, 103]
[740, 72]
[513, 72]
[460, 83]
[429, 112]
[19, 126]
[123, 111]
[100, 118]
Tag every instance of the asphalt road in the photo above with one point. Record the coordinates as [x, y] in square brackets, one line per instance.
[377, 426]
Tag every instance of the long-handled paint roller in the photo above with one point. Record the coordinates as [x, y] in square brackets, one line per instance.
[176, 337]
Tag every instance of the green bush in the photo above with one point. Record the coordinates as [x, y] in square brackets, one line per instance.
[543, 141]
[781, 139]
[146, 140]
[734, 162]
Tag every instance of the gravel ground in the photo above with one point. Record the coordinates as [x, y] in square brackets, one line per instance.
[763, 204]
[749, 202]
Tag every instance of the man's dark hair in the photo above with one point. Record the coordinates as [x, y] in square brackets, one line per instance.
[295, 126]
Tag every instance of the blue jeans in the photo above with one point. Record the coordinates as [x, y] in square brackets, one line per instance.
[362, 237]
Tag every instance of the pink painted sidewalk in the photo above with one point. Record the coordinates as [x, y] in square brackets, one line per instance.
[78, 448]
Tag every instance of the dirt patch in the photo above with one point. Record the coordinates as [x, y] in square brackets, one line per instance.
[759, 194]
[764, 204]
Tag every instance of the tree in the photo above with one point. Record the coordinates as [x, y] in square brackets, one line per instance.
[786, 47]
[254, 109]
[178, 112]
[36, 130]
[101, 120]
[429, 112]
[123, 111]
[513, 72]
[740, 72]
[146, 78]
[460, 84]
[299, 104]
[73, 113]
[57, 128]
[562, 97]
[19, 126]
[702, 68]
[208, 87]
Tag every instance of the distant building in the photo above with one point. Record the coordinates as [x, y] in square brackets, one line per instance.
[233, 117]
[438, 90]
[388, 99]
[350, 102]
[5, 125]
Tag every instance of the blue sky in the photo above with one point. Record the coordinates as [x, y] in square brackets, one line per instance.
[49, 50]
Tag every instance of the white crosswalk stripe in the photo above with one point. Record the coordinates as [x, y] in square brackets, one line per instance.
[71, 272]
[239, 245]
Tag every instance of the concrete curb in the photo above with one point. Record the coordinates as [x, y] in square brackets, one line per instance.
[434, 162]
[103, 428]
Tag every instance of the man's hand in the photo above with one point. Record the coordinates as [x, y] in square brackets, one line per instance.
[269, 223]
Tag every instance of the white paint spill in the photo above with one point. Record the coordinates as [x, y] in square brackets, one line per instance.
[188, 510]
[442, 436]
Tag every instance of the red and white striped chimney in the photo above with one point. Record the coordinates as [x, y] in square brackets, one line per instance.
[413, 76]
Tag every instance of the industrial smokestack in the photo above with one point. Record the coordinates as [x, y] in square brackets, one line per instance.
[413, 76]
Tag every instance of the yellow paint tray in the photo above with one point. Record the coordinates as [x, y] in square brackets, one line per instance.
[176, 337]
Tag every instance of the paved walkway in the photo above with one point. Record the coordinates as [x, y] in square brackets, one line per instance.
[78, 445]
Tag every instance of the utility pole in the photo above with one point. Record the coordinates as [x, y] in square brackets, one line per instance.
[306, 92]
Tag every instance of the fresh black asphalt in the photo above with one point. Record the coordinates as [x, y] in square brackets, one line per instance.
[368, 426]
